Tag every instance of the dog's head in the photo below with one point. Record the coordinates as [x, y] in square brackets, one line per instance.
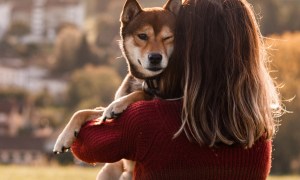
[147, 37]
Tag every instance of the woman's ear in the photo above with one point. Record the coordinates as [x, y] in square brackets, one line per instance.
[173, 6]
[130, 10]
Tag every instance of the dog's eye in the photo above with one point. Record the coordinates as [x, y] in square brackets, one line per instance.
[167, 38]
[143, 36]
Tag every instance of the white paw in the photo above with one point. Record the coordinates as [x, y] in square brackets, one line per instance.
[64, 141]
[114, 109]
[68, 135]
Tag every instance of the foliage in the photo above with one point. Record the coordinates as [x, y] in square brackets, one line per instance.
[72, 51]
[92, 87]
[18, 29]
[11, 47]
[285, 54]
[50, 110]
[10, 43]
[49, 116]
[13, 94]
[277, 16]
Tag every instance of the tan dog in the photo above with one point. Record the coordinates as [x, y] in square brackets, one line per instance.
[147, 44]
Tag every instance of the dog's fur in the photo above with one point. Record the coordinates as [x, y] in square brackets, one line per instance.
[147, 44]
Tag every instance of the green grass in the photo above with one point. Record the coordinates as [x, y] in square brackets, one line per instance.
[13, 172]
[284, 178]
[48, 173]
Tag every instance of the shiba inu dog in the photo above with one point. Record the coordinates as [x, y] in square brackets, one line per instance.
[147, 36]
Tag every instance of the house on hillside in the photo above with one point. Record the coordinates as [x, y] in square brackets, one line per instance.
[31, 78]
[5, 14]
[43, 17]
[66, 11]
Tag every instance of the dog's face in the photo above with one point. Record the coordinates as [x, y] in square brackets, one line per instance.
[147, 37]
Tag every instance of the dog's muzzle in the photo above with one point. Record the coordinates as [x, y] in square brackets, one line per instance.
[155, 58]
[155, 61]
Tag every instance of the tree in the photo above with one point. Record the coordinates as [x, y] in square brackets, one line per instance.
[285, 56]
[72, 51]
[277, 16]
[92, 87]
[18, 29]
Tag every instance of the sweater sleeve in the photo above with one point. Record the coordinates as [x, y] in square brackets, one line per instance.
[112, 140]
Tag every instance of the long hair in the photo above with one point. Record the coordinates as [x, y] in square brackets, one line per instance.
[229, 96]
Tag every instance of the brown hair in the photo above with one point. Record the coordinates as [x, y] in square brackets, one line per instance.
[220, 64]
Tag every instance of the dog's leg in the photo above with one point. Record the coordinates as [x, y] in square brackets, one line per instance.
[116, 171]
[111, 171]
[128, 167]
[126, 175]
[68, 135]
[119, 105]
[123, 170]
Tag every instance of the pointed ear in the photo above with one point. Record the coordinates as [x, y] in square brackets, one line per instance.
[130, 10]
[173, 6]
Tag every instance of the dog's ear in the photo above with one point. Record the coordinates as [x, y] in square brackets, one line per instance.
[173, 6]
[130, 10]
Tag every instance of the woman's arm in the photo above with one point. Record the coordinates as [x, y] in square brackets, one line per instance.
[119, 138]
[100, 143]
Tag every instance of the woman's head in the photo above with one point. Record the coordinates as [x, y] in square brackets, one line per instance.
[227, 90]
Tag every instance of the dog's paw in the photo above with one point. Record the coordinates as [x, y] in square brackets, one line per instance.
[64, 141]
[113, 110]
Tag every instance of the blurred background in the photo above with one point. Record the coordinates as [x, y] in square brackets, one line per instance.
[59, 56]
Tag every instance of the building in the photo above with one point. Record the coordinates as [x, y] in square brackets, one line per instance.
[31, 78]
[5, 14]
[67, 11]
[43, 17]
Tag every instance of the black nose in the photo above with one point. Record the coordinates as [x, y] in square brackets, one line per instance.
[155, 58]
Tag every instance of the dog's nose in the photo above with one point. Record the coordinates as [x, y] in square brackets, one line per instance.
[155, 58]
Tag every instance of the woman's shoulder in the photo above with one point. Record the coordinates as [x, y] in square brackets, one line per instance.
[154, 105]
[150, 112]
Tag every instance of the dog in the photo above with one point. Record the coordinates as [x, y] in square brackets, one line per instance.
[147, 36]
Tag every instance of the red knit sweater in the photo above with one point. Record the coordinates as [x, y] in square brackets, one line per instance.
[144, 134]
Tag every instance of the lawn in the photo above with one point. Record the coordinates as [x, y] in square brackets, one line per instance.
[48, 173]
[67, 172]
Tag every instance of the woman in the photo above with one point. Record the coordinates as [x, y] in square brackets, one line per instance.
[222, 127]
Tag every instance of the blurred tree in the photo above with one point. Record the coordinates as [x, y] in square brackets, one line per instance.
[277, 16]
[11, 42]
[88, 54]
[72, 51]
[91, 87]
[18, 29]
[43, 99]
[25, 50]
[285, 54]
[50, 110]
[106, 31]
[95, 6]
[49, 116]
[13, 94]
[293, 13]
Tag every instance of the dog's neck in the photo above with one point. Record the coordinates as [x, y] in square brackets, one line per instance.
[151, 86]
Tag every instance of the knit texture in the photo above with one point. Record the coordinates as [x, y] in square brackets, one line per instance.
[144, 133]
